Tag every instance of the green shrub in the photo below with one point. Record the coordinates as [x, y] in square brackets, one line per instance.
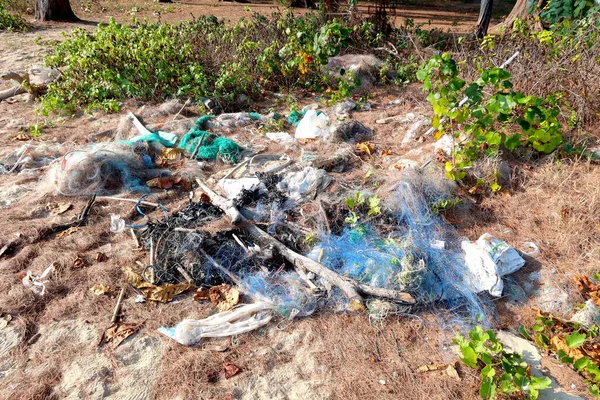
[10, 21]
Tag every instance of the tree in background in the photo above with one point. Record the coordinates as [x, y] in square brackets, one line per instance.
[485, 15]
[54, 10]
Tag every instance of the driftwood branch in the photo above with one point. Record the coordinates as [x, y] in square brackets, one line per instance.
[48, 231]
[351, 288]
[8, 93]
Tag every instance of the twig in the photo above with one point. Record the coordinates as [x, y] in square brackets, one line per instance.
[45, 232]
[193, 157]
[137, 242]
[227, 206]
[184, 273]
[115, 315]
[144, 203]
[324, 216]
[8, 93]
[184, 106]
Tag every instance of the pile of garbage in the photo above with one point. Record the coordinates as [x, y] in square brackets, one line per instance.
[391, 246]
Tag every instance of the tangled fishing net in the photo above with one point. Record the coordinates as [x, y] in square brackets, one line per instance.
[105, 168]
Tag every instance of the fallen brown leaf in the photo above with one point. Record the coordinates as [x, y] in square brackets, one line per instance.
[166, 293]
[22, 137]
[99, 289]
[117, 333]
[171, 153]
[101, 257]
[166, 182]
[67, 232]
[223, 296]
[58, 208]
[366, 148]
[135, 279]
[587, 289]
[230, 370]
[80, 262]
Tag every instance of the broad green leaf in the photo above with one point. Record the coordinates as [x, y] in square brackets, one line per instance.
[540, 383]
[575, 339]
[469, 356]
[488, 388]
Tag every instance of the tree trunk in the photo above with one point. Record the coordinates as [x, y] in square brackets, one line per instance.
[485, 15]
[521, 11]
[54, 10]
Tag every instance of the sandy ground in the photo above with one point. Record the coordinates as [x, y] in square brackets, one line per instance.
[48, 345]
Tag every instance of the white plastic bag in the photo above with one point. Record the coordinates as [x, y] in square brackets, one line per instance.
[312, 125]
[487, 261]
[233, 322]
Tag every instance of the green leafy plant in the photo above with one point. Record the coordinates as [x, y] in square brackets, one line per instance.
[10, 21]
[354, 201]
[442, 206]
[572, 344]
[374, 208]
[485, 122]
[501, 372]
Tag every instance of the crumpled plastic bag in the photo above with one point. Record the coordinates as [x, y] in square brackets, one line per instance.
[312, 126]
[487, 261]
[304, 184]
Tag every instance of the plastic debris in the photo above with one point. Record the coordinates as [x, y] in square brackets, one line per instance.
[233, 187]
[280, 137]
[304, 184]
[243, 319]
[203, 145]
[37, 284]
[352, 131]
[488, 260]
[588, 315]
[312, 125]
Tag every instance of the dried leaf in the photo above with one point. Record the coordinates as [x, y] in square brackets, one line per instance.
[230, 370]
[58, 208]
[216, 347]
[80, 262]
[67, 232]
[135, 279]
[99, 289]
[386, 152]
[223, 296]
[117, 333]
[166, 293]
[366, 148]
[22, 137]
[452, 372]
[171, 153]
[165, 182]
[587, 289]
[101, 257]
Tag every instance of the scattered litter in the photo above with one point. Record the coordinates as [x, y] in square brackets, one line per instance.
[352, 131]
[488, 260]
[413, 132]
[117, 333]
[280, 137]
[588, 315]
[444, 145]
[233, 187]
[223, 296]
[243, 319]
[117, 224]
[37, 284]
[140, 298]
[535, 250]
[31, 157]
[312, 125]
[230, 370]
[304, 184]
[203, 145]
[99, 289]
